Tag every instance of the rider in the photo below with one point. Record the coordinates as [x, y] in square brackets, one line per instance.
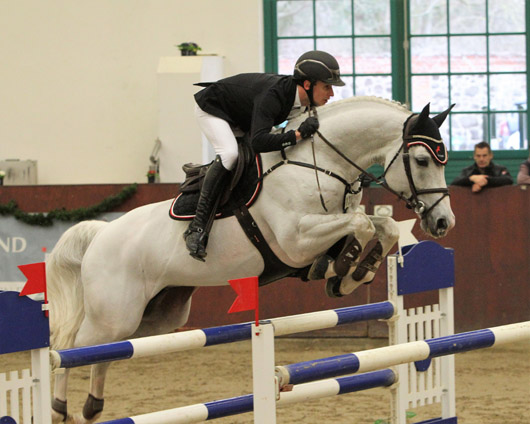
[253, 103]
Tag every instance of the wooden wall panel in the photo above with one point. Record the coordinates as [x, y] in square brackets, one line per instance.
[491, 242]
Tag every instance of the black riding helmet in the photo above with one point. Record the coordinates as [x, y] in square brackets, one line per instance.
[314, 66]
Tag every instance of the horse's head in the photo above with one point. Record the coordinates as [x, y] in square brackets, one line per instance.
[417, 172]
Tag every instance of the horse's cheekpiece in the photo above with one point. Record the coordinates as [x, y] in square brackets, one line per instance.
[244, 193]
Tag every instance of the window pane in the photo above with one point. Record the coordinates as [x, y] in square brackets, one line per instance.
[371, 17]
[506, 15]
[374, 86]
[428, 17]
[429, 54]
[345, 91]
[444, 132]
[469, 92]
[467, 130]
[507, 91]
[507, 53]
[289, 51]
[333, 17]
[506, 134]
[433, 89]
[341, 48]
[466, 16]
[468, 54]
[372, 55]
[295, 18]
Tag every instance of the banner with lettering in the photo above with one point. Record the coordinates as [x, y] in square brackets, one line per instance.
[23, 244]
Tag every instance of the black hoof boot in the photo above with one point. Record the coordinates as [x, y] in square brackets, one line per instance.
[347, 257]
[319, 267]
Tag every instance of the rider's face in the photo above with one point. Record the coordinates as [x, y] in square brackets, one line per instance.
[322, 92]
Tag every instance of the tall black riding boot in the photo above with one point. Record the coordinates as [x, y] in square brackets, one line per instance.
[196, 235]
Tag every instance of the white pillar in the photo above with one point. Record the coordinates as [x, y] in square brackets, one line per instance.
[263, 376]
[181, 139]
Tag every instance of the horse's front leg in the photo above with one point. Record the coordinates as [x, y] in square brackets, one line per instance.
[387, 234]
[316, 233]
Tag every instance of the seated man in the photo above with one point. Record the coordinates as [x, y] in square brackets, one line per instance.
[523, 177]
[483, 173]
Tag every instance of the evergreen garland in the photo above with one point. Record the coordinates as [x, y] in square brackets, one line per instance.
[80, 214]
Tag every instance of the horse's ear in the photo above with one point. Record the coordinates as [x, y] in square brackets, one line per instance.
[424, 113]
[439, 119]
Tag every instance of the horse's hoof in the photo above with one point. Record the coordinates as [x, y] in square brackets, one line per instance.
[319, 267]
[333, 287]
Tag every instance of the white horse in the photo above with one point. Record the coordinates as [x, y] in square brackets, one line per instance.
[133, 277]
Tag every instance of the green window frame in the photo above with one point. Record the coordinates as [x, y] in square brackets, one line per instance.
[403, 38]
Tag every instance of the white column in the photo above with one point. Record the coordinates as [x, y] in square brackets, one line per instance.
[263, 376]
[40, 372]
[181, 139]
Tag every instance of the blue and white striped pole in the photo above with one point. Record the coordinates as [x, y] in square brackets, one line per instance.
[187, 340]
[388, 356]
[242, 404]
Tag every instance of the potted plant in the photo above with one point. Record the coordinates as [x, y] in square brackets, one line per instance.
[151, 176]
[2, 175]
[188, 49]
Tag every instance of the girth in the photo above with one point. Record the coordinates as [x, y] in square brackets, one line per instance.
[274, 269]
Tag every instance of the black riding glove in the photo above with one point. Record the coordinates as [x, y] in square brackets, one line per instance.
[308, 127]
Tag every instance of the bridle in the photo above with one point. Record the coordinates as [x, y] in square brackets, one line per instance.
[413, 202]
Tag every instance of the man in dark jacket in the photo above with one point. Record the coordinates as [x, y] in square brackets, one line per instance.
[483, 173]
[254, 104]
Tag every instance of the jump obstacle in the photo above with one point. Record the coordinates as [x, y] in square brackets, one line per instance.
[422, 344]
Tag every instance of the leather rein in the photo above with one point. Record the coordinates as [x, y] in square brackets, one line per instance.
[413, 202]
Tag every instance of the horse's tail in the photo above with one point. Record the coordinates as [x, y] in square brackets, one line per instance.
[65, 288]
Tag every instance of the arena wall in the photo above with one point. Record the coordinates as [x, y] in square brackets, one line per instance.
[492, 260]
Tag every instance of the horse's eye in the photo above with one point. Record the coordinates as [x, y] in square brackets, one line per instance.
[422, 162]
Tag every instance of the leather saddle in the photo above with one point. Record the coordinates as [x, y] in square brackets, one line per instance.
[243, 189]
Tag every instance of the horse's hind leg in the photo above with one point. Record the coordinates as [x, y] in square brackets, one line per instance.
[94, 403]
[166, 312]
[59, 411]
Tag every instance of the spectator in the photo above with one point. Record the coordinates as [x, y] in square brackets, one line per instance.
[523, 177]
[483, 173]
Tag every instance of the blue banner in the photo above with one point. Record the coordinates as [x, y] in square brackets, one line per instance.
[22, 244]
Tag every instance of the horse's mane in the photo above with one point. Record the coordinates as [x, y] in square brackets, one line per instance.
[357, 99]
[337, 105]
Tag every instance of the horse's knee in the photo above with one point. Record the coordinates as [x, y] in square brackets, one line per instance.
[364, 228]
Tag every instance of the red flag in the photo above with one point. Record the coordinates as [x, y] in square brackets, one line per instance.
[36, 275]
[247, 295]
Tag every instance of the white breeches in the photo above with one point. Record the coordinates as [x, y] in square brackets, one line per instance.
[220, 135]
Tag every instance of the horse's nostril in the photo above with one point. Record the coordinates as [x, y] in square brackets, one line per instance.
[441, 224]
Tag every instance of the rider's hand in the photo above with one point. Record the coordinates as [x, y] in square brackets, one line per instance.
[308, 127]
